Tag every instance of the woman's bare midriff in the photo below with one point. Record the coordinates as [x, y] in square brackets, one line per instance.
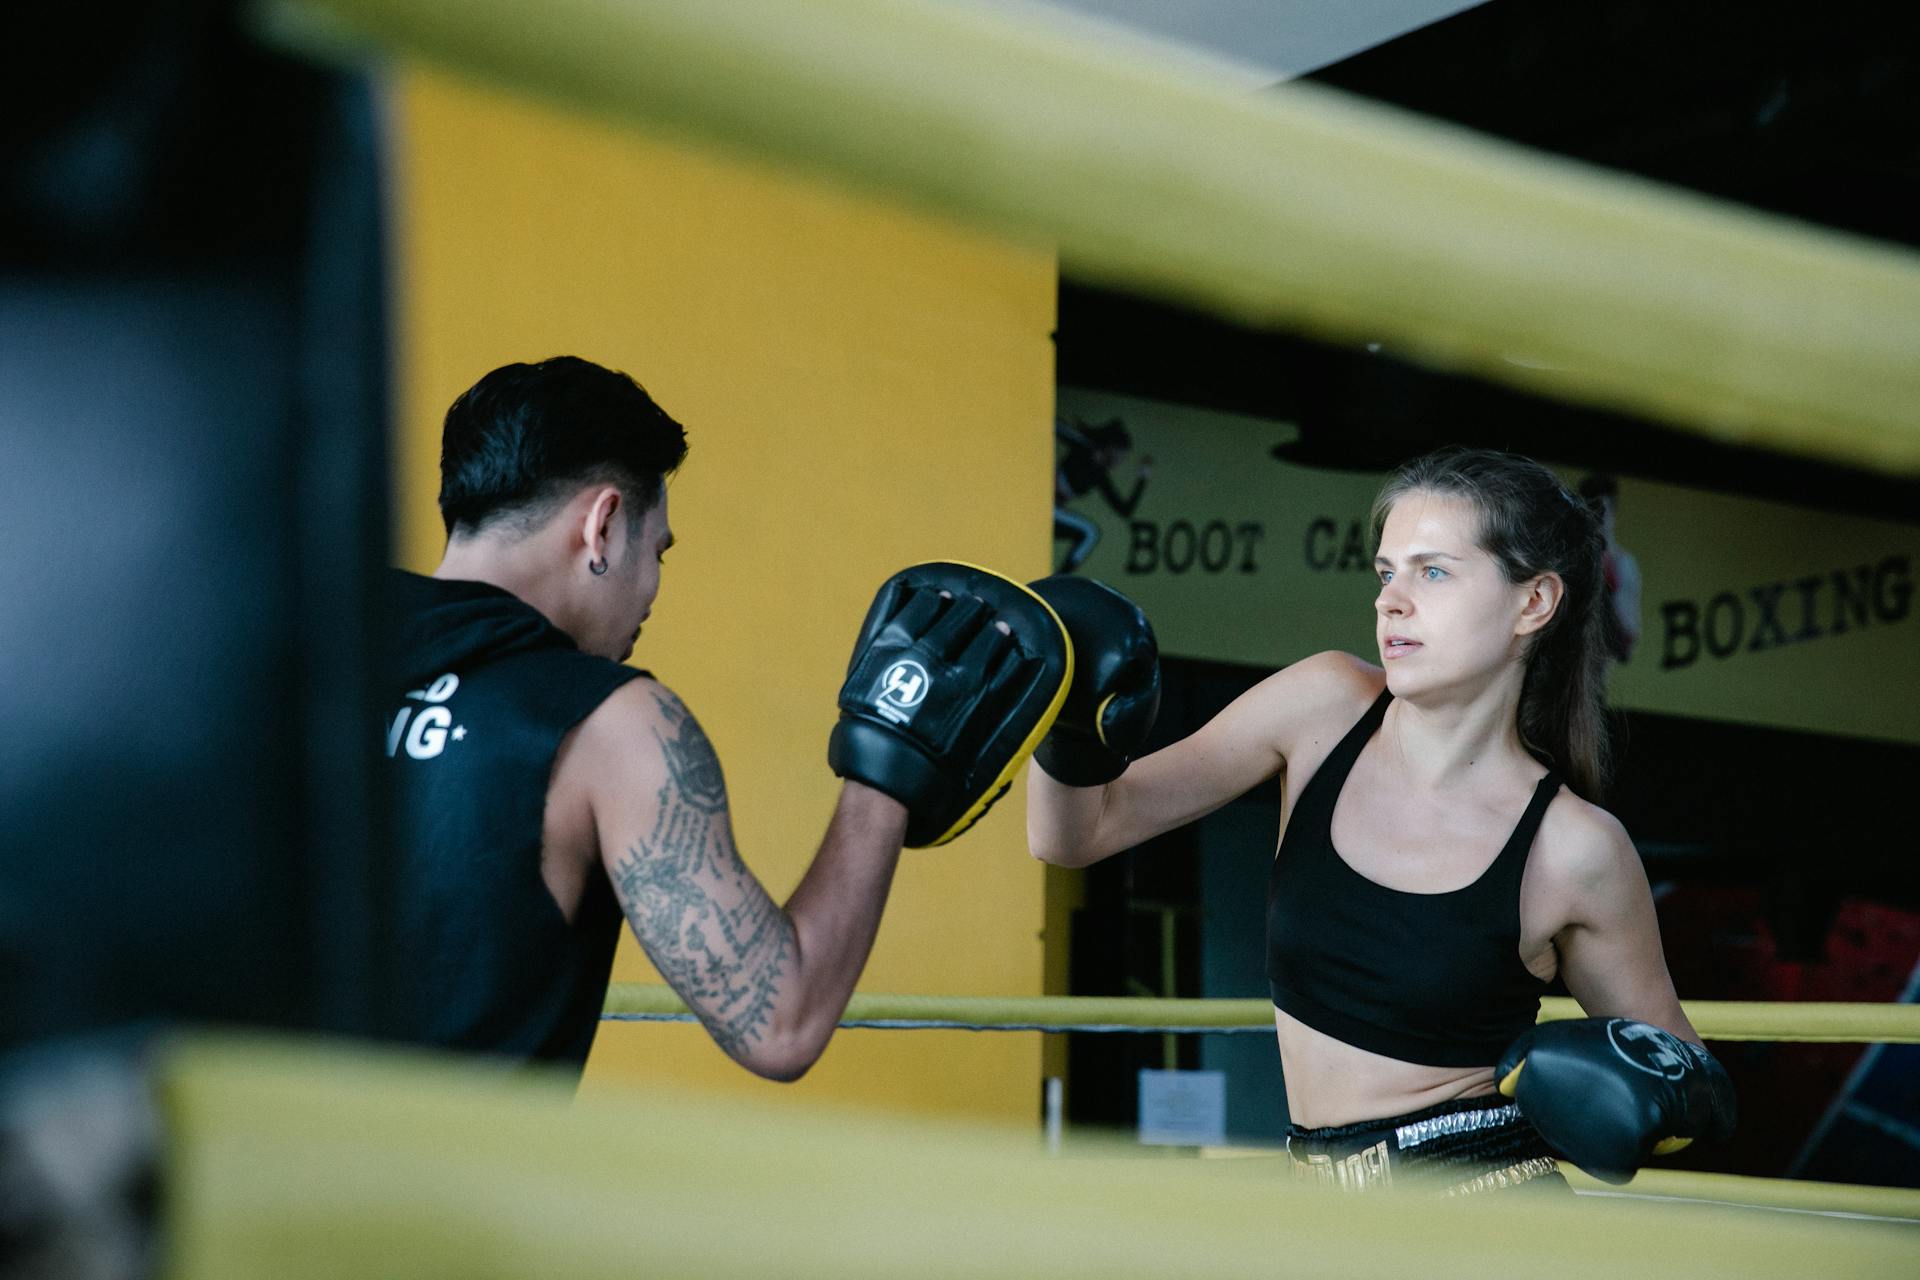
[1331, 1083]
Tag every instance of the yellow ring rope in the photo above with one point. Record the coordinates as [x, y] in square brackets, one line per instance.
[1796, 1022]
[1299, 206]
[1715, 1020]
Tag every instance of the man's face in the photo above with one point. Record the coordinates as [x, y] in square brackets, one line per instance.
[633, 577]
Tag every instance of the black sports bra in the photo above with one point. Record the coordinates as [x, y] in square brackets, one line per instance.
[1431, 978]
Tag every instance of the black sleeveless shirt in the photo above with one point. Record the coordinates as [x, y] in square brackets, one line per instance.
[1429, 978]
[487, 689]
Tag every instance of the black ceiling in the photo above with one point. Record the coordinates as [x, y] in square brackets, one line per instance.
[1807, 110]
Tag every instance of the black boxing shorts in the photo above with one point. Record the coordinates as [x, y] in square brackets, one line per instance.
[1458, 1148]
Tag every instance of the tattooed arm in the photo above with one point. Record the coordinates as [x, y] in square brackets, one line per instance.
[769, 984]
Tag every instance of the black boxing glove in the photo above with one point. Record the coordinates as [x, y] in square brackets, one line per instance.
[1607, 1093]
[941, 707]
[1116, 683]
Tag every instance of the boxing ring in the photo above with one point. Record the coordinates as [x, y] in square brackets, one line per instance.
[299, 1160]
[295, 1160]
[1297, 208]
[1716, 1020]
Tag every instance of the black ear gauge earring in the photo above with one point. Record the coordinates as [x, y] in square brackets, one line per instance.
[597, 567]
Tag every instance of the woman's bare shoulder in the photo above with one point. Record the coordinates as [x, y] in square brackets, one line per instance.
[1319, 694]
[1582, 850]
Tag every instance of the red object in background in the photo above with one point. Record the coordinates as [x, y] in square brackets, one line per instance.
[1720, 947]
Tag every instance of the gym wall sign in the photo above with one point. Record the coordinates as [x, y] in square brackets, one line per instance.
[1749, 611]
[1181, 546]
[1235, 556]
[1816, 607]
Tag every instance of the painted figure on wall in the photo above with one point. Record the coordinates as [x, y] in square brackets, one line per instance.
[1084, 463]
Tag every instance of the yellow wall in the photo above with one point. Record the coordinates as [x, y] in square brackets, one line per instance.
[862, 388]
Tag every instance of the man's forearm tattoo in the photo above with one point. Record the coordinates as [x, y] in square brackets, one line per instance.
[676, 883]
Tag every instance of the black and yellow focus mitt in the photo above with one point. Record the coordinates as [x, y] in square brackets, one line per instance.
[941, 706]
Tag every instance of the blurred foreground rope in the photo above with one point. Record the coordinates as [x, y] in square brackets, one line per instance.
[1297, 207]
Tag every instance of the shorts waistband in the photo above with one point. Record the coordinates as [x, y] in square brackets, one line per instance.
[1461, 1115]
[1457, 1147]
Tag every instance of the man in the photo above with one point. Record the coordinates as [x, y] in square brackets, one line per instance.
[546, 789]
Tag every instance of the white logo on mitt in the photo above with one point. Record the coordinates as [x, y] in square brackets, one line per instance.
[902, 688]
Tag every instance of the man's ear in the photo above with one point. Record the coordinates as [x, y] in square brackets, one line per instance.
[1545, 594]
[597, 529]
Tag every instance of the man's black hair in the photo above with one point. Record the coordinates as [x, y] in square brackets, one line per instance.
[526, 437]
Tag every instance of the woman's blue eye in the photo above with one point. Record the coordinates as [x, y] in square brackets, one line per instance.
[1434, 573]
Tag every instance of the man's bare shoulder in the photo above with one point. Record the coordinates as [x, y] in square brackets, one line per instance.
[635, 708]
[638, 734]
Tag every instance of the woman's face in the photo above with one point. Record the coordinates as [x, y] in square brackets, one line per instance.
[1446, 616]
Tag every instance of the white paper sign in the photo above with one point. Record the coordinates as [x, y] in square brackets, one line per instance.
[1183, 1108]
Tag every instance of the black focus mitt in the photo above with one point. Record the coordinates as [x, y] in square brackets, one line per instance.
[941, 707]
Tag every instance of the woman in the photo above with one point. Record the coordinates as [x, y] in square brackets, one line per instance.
[1442, 859]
